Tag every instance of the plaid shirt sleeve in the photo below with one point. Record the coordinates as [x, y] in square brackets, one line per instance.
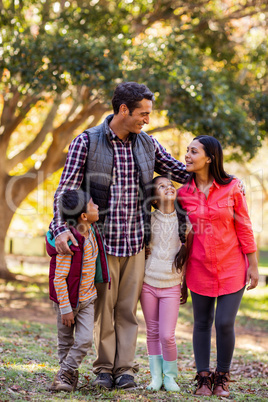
[71, 178]
[166, 164]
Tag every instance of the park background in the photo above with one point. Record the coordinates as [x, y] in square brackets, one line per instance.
[206, 62]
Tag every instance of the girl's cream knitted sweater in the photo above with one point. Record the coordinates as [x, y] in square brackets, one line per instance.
[160, 271]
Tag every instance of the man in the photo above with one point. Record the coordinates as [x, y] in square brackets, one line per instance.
[116, 161]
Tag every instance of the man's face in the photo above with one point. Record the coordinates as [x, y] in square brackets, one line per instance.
[140, 116]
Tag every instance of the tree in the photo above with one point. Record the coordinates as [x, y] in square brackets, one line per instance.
[63, 60]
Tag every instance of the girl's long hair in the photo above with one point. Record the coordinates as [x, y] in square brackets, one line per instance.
[181, 256]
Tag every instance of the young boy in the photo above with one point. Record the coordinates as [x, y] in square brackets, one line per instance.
[71, 284]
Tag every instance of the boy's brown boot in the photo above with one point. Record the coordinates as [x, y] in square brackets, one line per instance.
[221, 384]
[204, 383]
[65, 380]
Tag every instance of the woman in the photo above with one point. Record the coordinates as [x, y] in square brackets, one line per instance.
[222, 258]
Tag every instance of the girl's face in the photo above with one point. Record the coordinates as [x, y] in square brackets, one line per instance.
[164, 191]
[196, 158]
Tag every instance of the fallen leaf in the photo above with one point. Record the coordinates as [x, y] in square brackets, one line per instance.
[16, 388]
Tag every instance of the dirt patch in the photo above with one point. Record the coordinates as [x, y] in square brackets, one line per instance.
[30, 312]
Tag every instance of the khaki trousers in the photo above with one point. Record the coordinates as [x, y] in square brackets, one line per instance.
[116, 326]
[72, 348]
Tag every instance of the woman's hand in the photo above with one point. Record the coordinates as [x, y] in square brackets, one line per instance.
[252, 272]
[242, 187]
[252, 277]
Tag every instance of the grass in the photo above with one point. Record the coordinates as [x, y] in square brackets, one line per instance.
[29, 362]
[28, 355]
[263, 258]
[253, 312]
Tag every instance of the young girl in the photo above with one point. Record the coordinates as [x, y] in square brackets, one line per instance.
[160, 296]
[221, 261]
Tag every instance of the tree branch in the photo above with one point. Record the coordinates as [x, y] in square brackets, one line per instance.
[11, 121]
[39, 139]
[165, 11]
[55, 159]
[68, 127]
[9, 107]
[159, 129]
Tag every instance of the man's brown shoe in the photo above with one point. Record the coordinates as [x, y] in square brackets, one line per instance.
[221, 384]
[204, 383]
[65, 380]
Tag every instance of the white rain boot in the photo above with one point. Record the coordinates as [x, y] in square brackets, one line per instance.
[170, 371]
[156, 363]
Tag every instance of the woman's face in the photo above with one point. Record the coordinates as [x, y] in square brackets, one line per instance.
[196, 158]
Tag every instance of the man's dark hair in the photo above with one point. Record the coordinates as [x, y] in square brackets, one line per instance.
[130, 94]
[72, 204]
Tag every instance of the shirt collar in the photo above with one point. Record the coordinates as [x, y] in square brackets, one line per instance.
[114, 137]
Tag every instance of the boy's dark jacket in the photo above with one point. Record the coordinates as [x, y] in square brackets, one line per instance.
[74, 278]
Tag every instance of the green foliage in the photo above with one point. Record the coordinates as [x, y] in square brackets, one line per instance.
[61, 60]
[183, 52]
[60, 53]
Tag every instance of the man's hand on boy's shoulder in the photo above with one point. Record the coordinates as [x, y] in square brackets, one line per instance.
[61, 242]
[67, 319]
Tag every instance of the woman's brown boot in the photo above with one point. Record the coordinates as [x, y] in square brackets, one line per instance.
[221, 384]
[204, 383]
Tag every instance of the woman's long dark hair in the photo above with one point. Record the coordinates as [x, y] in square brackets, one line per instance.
[213, 150]
[181, 256]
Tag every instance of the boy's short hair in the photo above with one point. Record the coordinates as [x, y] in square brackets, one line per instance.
[72, 204]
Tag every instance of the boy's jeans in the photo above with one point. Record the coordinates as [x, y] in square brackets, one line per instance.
[72, 349]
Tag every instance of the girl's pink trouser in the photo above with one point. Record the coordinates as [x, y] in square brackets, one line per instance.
[160, 307]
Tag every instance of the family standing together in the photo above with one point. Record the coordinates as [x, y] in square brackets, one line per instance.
[108, 250]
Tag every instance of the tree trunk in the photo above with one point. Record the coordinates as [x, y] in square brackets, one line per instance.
[5, 219]
[4, 272]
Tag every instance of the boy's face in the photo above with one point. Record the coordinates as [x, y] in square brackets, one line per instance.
[92, 211]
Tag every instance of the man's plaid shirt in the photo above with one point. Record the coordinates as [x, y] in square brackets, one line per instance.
[124, 224]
